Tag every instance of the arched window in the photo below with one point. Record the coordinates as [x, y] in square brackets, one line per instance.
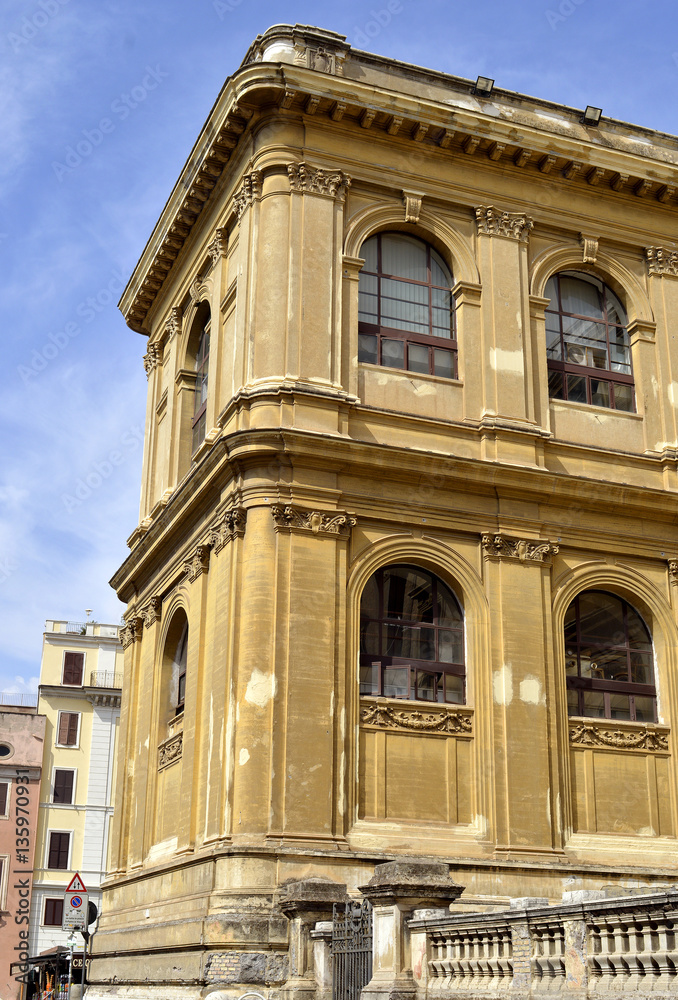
[175, 657]
[179, 669]
[608, 659]
[202, 359]
[406, 314]
[587, 343]
[411, 637]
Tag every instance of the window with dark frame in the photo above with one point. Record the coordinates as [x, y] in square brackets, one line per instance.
[202, 360]
[54, 913]
[180, 660]
[74, 666]
[64, 780]
[411, 637]
[587, 344]
[67, 730]
[57, 855]
[608, 659]
[4, 798]
[406, 307]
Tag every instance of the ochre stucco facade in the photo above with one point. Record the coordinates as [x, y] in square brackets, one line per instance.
[315, 470]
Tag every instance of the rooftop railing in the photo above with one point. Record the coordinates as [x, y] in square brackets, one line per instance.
[18, 700]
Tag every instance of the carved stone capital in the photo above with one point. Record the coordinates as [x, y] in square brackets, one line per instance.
[152, 358]
[131, 631]
[453, 721]
[589, 248]
[249, 192]
[218, 248]
[661, 261]
[314, 180]
[173, 323]
[673, 571]
[494, 222]
[412, 201]
[152, 612]
[170, 751]
[198, 563]
[498, 546]
[231, 525]
[590, 734]
[293, 518]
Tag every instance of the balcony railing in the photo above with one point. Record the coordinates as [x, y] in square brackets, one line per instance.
[105, 679]
[18, 700]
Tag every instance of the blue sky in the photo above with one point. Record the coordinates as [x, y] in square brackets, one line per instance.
[78, 200]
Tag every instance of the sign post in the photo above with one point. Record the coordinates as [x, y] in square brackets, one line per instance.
[76, 900]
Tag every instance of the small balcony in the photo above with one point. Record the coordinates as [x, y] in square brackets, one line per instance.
[105, 679]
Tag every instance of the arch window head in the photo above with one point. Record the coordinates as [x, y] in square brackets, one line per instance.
[608, 659]
[406, 307]
[202, 358]
[587, 343]
[411, 637]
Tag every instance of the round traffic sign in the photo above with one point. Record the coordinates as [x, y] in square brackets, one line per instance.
[76, 902]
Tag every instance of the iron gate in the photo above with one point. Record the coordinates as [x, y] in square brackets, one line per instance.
[351, 949]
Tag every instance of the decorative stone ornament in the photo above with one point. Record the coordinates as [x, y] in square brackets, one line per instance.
[152, 612]
[592, 735]
[249, 192]
[293, 518]
[412, 202]
[314, 180]
[198, 563]
[321, 59]
[661, 261]
[218, 248]
[673, 571]
[500, 546]
[447, 720]
[170, 751]
[173, 323]
[494, 222]
[230, 526]
[132, 630]
[589, 248]
[152, 358]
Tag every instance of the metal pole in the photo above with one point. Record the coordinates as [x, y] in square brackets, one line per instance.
[84, 966]
[70, 969]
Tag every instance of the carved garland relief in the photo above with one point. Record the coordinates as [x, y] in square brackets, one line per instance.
[591, 735]
[446, 721]
[170, 751]
[499, 546]
[291, 517]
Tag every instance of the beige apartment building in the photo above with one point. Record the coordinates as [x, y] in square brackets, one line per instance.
[79, 695]
[401, 604]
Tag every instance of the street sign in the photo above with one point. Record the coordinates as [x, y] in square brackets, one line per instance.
[76, 900]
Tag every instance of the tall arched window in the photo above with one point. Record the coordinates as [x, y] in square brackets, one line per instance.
[411, 637]
[202, 359]
[608, 659]
[406, 314]
[587, 343]
[175, 657]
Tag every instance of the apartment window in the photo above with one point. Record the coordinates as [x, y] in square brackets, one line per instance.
[587, 343]
[411, 637]
[64, 781]
[57, 855]
[68, 729]
[608, 659]
[4, 799]
[54, 912]
[202, 359]
[74, 664]
[405, 312]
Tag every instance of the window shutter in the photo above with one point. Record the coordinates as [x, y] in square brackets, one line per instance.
[58, 851]
[73, 729]
[63, 786]
[4, 789]
[62, 736]
[68, 729]
[73, 667]
[54, 912]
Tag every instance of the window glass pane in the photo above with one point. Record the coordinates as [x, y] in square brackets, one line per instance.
[602, 617]
[551, 292]
[616, 314]
[440, 274]
[396, 682]
[556, 390]
[610, 665]
[619, 706]
[553, 341]
[620, 353]
[580, 296]
[572, 702]
[393, 353]
[369, 601]
[408, 640]
[594, 703]
[641, 668]
[369, 637]
[644, 709]
[449, 612]
[571, 662]
[417, 358]
[426, 686]
[450, 646]
[454, 689]
[638, 635]
[571, 624]
[404, 306]
[576, 388]
[443, 363]
[600, 393]
[404, 257]
[367, 348]
[369, 679]
[408, 594]
[368, 252]
[623, 398]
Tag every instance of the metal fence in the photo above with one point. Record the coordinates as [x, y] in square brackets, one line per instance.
[351, 949]
[18, 700]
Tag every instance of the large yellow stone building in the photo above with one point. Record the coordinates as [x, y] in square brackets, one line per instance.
[404, 583]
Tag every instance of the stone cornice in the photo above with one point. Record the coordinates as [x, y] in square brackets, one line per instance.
[519, 140]
[499, 546]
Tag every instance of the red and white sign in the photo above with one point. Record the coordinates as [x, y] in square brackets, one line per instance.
[75, 905]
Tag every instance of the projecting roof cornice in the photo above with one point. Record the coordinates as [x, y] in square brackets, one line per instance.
[308, 72]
